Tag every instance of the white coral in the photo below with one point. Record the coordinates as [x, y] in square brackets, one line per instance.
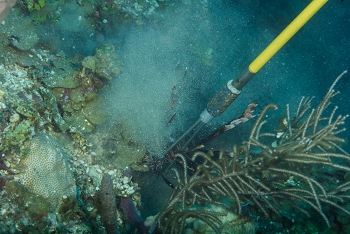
[125, 187]
[14, 80]
[47, 172]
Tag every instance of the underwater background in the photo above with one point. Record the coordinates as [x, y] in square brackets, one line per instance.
[93, 93]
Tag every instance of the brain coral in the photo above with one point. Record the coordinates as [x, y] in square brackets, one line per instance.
[47, 172]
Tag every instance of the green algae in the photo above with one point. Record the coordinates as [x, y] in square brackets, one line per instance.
[69, 209]
[105, 63]
[76, 95]
[90, 95]
[81, 117]
[34, 4]
[90, 63]
[78, 123]
[51, 103]
[72, 96]
[37, 209]
[62, 75]
[95, 111]
[83, 111]
[26, 110]
[306, 227]
[125, 150]
[36, 205]
[19, 134]
[61, 79]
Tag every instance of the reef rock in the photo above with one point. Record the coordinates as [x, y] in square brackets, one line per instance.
[105, 63]
[20, 33]
[61, 75]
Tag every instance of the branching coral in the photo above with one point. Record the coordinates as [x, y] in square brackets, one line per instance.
[308, 145]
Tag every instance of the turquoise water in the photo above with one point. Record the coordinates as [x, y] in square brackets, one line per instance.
[129, 77]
